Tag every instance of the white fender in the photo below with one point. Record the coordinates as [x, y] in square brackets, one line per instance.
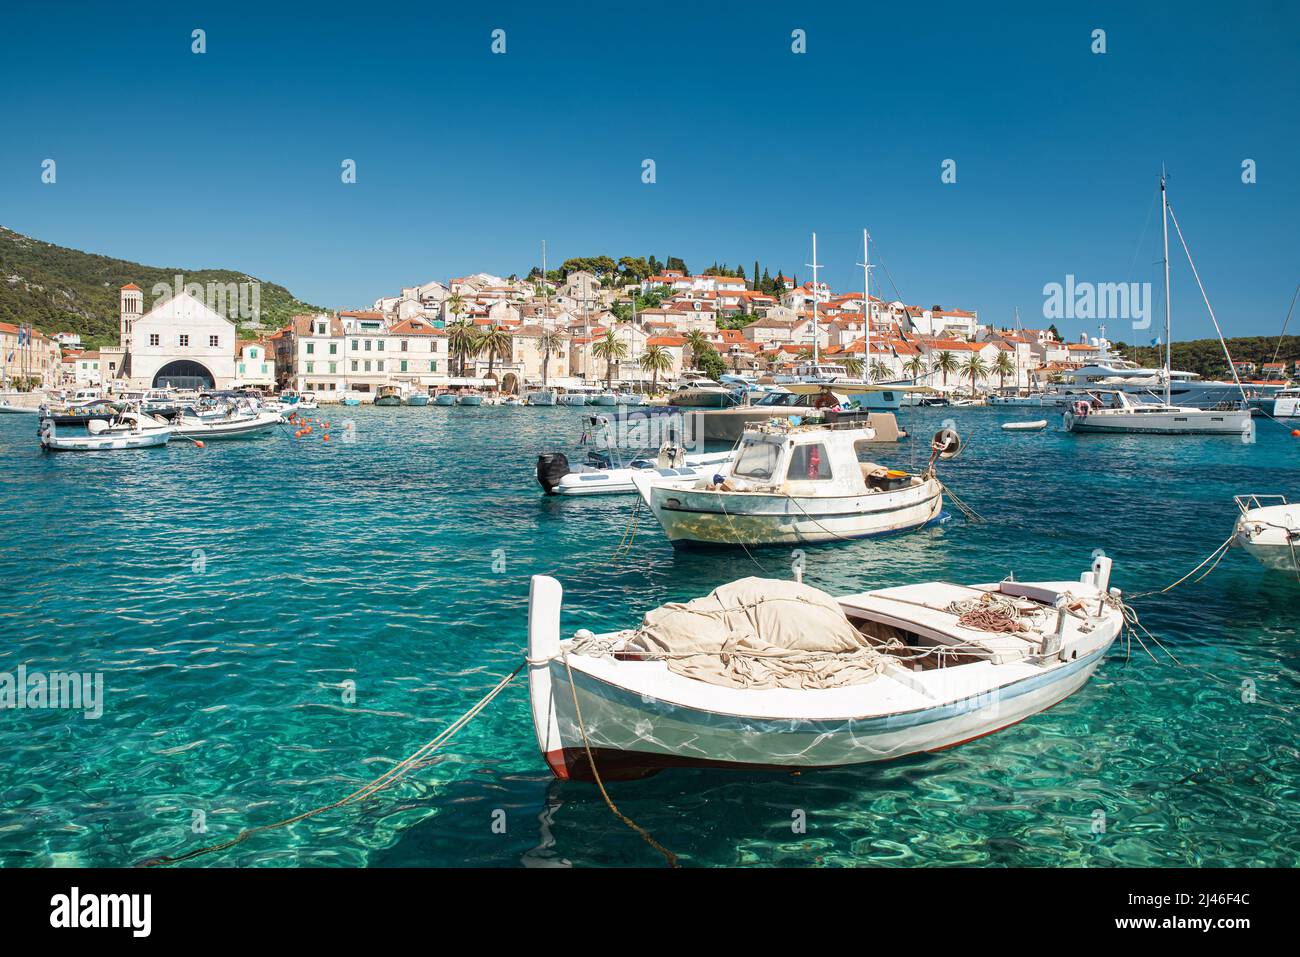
[544, 599]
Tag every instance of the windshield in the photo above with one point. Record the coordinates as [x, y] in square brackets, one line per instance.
[757, 460]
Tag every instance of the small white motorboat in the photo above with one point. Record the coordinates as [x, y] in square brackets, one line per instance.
[239, 425]
[7, 406]
[1269, 530]
[776, 674]
[796, 484]
[307, 402]
[1035, 426]
[126, 430]
[606, 472]
[541, 397]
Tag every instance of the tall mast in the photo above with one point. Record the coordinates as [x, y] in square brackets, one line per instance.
[866, 306]
[815, 266]
[1164, 215]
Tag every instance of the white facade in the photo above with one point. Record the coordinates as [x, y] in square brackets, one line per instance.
[180, 341]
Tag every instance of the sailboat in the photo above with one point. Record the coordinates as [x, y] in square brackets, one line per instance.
[1124, 415]
[544, 395]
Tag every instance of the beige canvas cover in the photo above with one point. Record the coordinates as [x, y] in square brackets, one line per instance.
[759, 633]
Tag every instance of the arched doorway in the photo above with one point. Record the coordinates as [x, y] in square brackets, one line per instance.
[510, 384]
[184, 374]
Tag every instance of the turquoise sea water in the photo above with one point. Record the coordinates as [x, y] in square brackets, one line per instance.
[401, 562]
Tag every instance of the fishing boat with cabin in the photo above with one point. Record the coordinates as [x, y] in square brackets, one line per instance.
[767, 674]
[792, 484]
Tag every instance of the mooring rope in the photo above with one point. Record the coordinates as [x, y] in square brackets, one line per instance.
[388, 778]
[970, 513]
[591, 763]
[1215, 556]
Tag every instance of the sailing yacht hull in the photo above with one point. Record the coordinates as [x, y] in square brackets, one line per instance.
[1181, 422]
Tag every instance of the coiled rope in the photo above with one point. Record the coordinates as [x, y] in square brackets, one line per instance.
[385, 780]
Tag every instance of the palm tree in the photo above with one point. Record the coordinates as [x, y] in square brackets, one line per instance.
[610, 348]
[1003, 366]
[803, 354]
[656, 359]
[976, 368]
[456, 306]
[698, 343]
[551, 341]
[852, 366]
[945, 362]
[880, 371]
[496, 340]
[915, 367]
[460, 341]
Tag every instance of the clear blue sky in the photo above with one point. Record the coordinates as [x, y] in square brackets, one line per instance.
[467, 160]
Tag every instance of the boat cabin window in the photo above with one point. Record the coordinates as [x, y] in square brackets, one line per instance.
[809, 463]
[757, 460]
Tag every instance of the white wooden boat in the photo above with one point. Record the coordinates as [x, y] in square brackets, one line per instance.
[773, 674]
[795, 484]
[1115, 412]
[126, 430]
[1037, 425]
[1269, 530]
[606, 472]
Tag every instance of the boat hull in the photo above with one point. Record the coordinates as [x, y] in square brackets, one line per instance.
[1186, 422]
[700, 516]
[469, 400]
[215, 431]
[417, 399]
[543, 397]
[100, 443]
[632, 736]
[620, 481]
[1271, 535]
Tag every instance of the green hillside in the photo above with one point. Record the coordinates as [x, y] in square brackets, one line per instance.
[65, 290]
[1205, 356]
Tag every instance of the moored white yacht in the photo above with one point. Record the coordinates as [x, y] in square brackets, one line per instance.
[1116, 412]
[1123, 415]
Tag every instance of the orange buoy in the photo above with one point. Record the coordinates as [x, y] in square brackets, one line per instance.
[199, 443]
[326, 436]
[1296, 433]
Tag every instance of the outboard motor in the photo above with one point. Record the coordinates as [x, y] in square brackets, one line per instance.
[551, 467]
